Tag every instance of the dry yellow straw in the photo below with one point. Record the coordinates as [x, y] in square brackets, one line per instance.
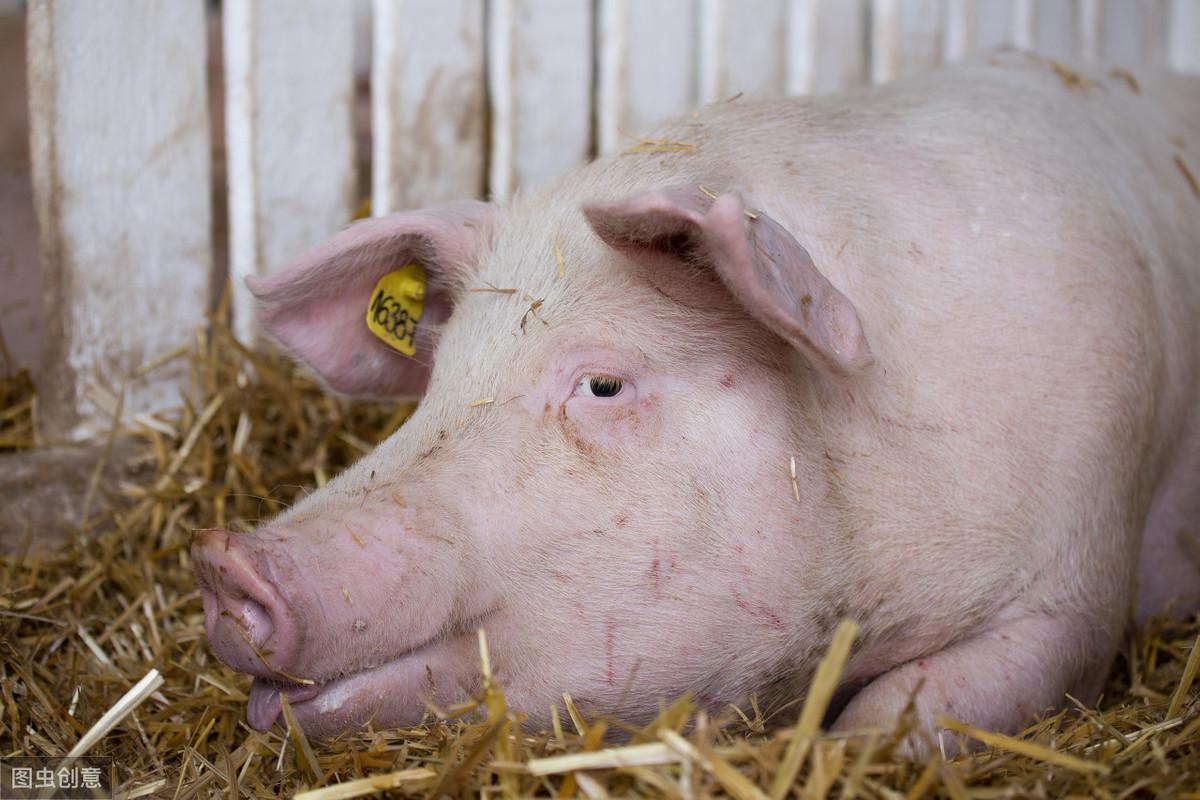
[404, 779]
[635, 755]
[733, 781]
[1038, 752]
[1185, 682]
[825, 681]
[147, 686]
[300, 740]
[558, 256]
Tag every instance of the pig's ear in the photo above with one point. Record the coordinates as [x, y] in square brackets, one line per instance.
[316, 305]
[766, 270]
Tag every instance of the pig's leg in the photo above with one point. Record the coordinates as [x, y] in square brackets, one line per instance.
[998, 679]
[1169, 566]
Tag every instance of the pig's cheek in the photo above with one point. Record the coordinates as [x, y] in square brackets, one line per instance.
[619, 427]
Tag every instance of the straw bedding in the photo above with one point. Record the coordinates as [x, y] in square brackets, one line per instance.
[82, 625]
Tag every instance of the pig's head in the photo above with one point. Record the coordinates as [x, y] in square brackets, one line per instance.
[599, 472]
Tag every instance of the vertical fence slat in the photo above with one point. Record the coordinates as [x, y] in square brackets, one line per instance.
[647, 63]
[289, 135]
[743, 50]
[906, 37]
[1133, 33]
[801, 46]
[428, 100]
[842, 39]
[1183, 43]
[958, 30]
[122, 177]
[1056, 29]
[993, 24]
[540, 81]
[1088, 26]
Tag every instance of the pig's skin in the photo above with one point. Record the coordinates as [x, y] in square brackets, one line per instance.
[1019, 429]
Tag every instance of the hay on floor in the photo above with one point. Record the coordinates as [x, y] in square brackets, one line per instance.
[81, 626]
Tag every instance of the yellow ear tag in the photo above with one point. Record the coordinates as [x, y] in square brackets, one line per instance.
[396, 307]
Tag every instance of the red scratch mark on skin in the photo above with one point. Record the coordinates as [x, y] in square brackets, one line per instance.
[560, 577]
[655, 573]
[610, 641]
[757, 610]
[841, 249]
[621, 520]
[915, 250]
[727, 381]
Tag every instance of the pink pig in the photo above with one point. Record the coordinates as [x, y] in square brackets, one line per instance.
[963, 308]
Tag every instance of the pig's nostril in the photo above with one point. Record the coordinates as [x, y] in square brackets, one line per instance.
[249, 625]
[256, 620]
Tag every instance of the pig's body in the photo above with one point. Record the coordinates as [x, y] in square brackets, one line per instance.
[993, 405]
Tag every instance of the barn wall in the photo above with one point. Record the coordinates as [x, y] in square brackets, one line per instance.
[466, 97]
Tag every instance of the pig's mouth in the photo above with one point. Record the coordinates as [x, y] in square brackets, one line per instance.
[265, 706]
[392, 693]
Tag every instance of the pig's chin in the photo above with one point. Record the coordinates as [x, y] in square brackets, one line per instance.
[386, 696]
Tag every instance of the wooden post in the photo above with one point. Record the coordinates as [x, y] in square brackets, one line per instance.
[540, 82]
[742, 48]
[289, 90]
[906, 37]
[1183, 41]
[428, 103]
[121, 175]
[647, 67]
[840, 38]
[289, 137]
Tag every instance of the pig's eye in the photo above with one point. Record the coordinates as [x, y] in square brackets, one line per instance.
[599, 386]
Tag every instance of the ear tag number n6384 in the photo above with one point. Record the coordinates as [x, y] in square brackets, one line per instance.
[396, 307]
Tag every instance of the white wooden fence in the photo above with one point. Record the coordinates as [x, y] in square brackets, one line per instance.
[122, 159]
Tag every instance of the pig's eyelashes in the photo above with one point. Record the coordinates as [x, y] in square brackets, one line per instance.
[599, 386]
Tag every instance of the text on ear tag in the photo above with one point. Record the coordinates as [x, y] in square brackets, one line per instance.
[396, 306]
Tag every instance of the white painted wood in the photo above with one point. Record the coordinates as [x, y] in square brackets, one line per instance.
[428, 103]
[121, 163]
[646, 67]
[842, 41]
[906, 37]
[1024, 24]
[1183, 40]
[1089, 12]
[289, 68]
[993, 24]
[540, 76]
[1057, 29]
[743, 47]
[1133, 32]
[801, 46]
[710, 44]
[958, 30]
[364, 25]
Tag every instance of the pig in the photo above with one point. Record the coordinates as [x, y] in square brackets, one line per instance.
[921, 356]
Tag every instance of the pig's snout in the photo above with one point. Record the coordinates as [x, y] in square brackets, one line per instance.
[249, 625]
